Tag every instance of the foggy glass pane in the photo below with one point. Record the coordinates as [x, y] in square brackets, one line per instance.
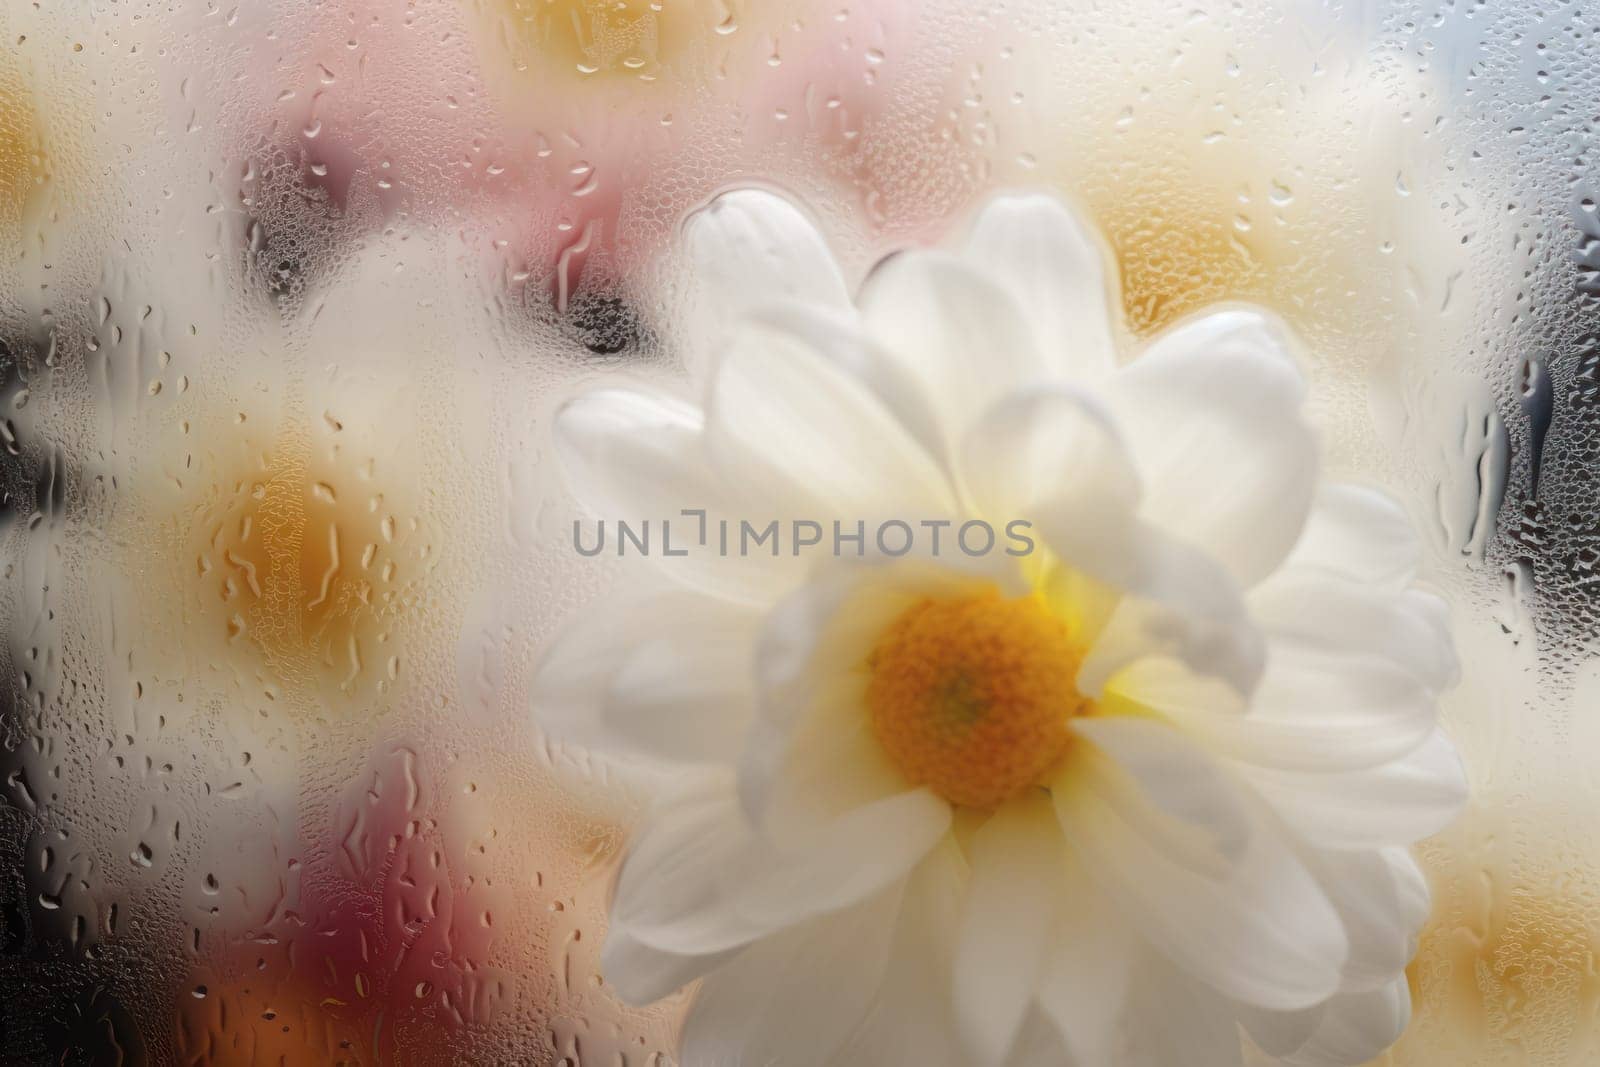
[290, 291]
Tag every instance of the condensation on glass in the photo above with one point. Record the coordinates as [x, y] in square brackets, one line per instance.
[289, 290]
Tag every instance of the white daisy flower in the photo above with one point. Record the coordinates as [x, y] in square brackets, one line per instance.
[1141, 795]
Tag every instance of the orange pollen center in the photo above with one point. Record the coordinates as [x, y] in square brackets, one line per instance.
[972, 697]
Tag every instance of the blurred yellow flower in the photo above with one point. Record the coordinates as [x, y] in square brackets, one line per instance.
[1282, 166]
[297, 553]
[599, 39]
[25, 166]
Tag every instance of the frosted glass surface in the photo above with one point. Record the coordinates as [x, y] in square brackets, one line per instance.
[290, 288]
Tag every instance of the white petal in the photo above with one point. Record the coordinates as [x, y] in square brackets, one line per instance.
[1175, 777]
[640, 974]
[1049, 444]
[957, 332]
[675, 869]
[1259, 929]
[839, 336]
[639, 457]
[1352, 712]
[1409, 628]
[1377, 894]
[749, 248]
[1056, 267]
[664, 675]
[1356, 1027]
[631, 454]
[700, 880]
[1279, 1033]
[1309, 712]
[1039, 1043]
[826, 764]
[800, 437]
[1174, 1020]
[797, 996]
[1008, 924]
[1415, 899]
[1179, 602]
[1212, 412]
[1166, 685]
[1347, 1030]
[1086, 982]
[1394, 803]
[911, 1022]
[1360, 534]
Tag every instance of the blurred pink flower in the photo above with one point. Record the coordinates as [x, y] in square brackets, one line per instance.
[536, 126]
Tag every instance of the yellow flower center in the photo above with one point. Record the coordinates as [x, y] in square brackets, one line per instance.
[972, 697]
